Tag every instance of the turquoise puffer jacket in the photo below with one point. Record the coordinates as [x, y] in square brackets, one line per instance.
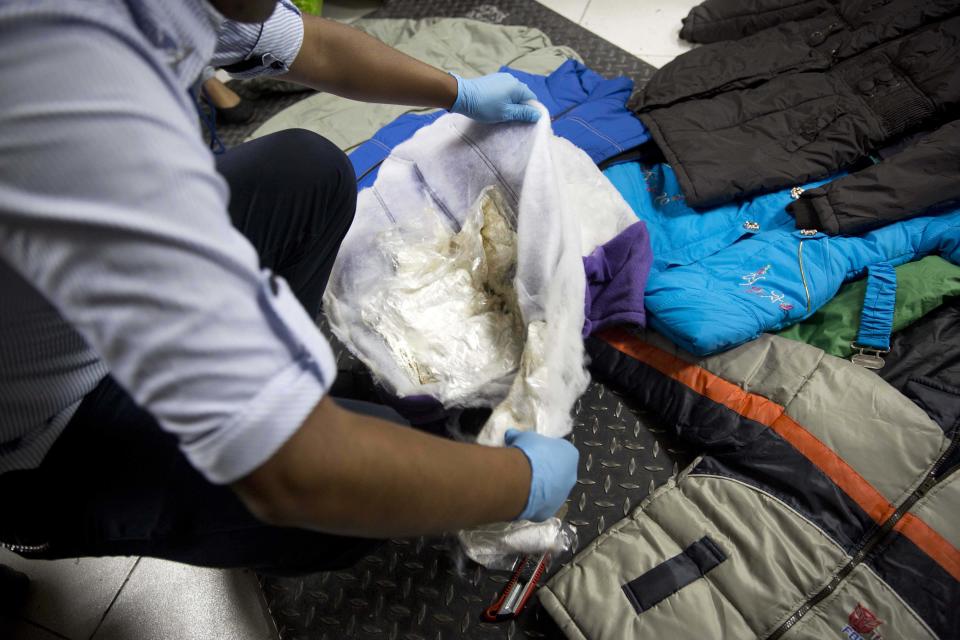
[723, 277]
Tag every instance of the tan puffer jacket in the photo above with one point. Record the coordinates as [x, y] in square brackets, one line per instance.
[826, 504]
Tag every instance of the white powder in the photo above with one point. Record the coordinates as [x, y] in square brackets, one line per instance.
[448, 312]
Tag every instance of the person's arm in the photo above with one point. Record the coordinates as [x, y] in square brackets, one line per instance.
[342, 60]
[333, 57]
[355, 475]
[345, 61]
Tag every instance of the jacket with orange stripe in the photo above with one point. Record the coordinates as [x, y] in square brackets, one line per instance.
[825, 504]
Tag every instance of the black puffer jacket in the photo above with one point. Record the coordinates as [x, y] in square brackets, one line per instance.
[716, 20]
[929, 349]
[800, 100]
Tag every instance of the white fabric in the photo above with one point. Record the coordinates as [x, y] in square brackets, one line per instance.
[462, 275]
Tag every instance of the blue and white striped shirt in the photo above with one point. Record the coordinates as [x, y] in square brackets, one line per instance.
[117, 254]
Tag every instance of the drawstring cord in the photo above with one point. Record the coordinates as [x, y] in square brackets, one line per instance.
[209, 118]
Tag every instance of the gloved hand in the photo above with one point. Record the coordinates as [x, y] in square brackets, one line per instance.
[553, 466]
[497, 97]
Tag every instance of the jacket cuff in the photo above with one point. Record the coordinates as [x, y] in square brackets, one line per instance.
[814, 212]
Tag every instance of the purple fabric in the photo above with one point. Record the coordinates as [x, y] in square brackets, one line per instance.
[616, 277]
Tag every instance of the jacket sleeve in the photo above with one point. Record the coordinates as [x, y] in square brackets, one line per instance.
[716, 20]
[919, 179]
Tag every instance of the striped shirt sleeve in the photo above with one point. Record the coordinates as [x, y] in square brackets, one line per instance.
[114, 212]
[246, 50]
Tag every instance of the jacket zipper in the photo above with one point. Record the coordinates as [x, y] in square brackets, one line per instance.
[25, 548]
[867, 546]
[803, 276]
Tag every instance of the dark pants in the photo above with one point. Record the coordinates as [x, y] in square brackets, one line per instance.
[115, 484]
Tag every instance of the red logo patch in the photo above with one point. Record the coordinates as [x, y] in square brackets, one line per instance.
[863, 620]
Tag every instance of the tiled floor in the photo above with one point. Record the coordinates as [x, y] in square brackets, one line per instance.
[138, 598]
[146, 599]
[649, 29]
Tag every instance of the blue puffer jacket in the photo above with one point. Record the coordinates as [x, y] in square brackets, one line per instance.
[723, 277]
[586, 109]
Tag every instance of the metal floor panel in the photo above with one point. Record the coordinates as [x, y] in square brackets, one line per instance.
[416, 589]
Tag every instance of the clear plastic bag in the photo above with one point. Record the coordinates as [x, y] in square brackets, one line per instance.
[499, 546]
[447, 312]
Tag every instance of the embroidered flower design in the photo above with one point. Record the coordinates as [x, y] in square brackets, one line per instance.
[750, 281]
[752, 278]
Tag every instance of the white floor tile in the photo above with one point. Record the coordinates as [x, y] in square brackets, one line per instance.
[569, 9]
[163, 599]
[640, 26]
[70, 596]
[28, 631]
[656, 60]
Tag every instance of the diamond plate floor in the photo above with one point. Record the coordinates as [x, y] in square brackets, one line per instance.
[419, 589]
[416, 589]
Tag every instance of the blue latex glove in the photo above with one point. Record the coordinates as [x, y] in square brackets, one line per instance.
[497, 97]
[553, 466]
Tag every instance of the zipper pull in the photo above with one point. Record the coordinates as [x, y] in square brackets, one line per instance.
[795, 192]
[927, 485]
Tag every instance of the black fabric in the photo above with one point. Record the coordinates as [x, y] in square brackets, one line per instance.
[929, 348]
[292, 194]
[921, 582]
[923, 179]
[114, 483]
[814, 45]
[646, 153]
[716, 20]
[734, 446]
[674, 574]
[15, 588]
[243, 65]
[801, 100]
[939, 401]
